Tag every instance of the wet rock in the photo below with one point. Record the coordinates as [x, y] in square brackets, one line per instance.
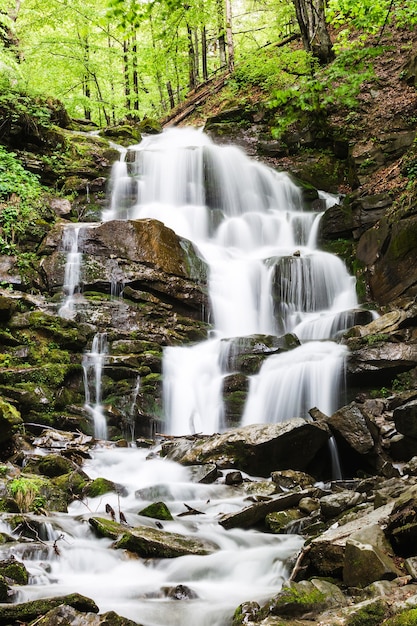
[257, 512]
[304, 599]
[278, 521]
[246, 354]
[149, 542]
[336, 223]
[381, 359]
[393, 271]
[401, 528]
[68, 616]
[180, 592]
[14, 570]
[205, 474]
[246, 613]
[157, 510]
[405, 419]
[50, 465]
[290, 479]
[100, 486]
[364, 564]
[10, 421]
[28, 611]
[143, 255]
[256, 449]
[325, 556]
[335, 504]
[233, 478]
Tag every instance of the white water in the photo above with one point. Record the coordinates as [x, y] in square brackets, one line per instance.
[247, 565]
[72, 270]
[266, 276]
[93, 363]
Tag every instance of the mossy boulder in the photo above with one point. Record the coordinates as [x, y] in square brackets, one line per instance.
[50, 465]
[277, 522]
[100, 486]
[296, 600]
[149, 542]
[157, 510]
[28, 611]
[122, 134]
[16, 571]
[370, 613]
[10, 421]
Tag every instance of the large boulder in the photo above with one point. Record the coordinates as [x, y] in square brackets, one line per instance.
[10, 420]
[144, 255]
[258, 449]
[390, 255]
[149, 542]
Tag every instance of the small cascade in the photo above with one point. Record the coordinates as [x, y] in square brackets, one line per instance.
[93, 363]
[133, 409]
[72, 272]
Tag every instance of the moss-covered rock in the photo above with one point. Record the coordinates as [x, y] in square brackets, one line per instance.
[10, 420]
[157, 510]
[28, 611]
[17, 572]
[99, 486]
[149, 542]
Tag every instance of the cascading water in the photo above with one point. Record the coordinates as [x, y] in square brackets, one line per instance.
[72, 270]
[93, 363]
[266, 276]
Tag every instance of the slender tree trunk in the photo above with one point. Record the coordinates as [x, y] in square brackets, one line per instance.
[170, 95]
[204, 53]
[311, 19]
[221, 32]
[126, 74]
[191, 61]
[158, 75]
[135, 74]
[229, 37]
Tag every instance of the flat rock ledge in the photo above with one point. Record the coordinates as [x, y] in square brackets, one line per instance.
[257, 449]
[149, 542]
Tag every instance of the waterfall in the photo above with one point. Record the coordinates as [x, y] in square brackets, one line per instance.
[93, 363]
[72, 271]
[266, 276]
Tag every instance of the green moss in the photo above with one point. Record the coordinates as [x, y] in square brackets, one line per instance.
[99, 487]
[296, 600]
[369, 615]
[157, 510]
[406, 618]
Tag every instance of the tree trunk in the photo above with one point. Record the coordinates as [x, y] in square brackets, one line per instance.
[221, 32]
[191, 60]
[126, 74]
[312, 22]
[229, 37]
[135, 74]
[204, 53]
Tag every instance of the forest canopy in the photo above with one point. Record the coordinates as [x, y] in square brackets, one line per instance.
[109, 59]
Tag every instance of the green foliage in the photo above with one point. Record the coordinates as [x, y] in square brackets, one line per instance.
[369, 615]
[26, 492]
[367, 17]
[406, 618]
[20, 200]
[336, 84]
[270, 68]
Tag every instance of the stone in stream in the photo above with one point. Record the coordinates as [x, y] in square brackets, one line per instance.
[150, 542]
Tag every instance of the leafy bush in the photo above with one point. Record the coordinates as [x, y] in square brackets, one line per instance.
[20, 200]
[336, 84]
